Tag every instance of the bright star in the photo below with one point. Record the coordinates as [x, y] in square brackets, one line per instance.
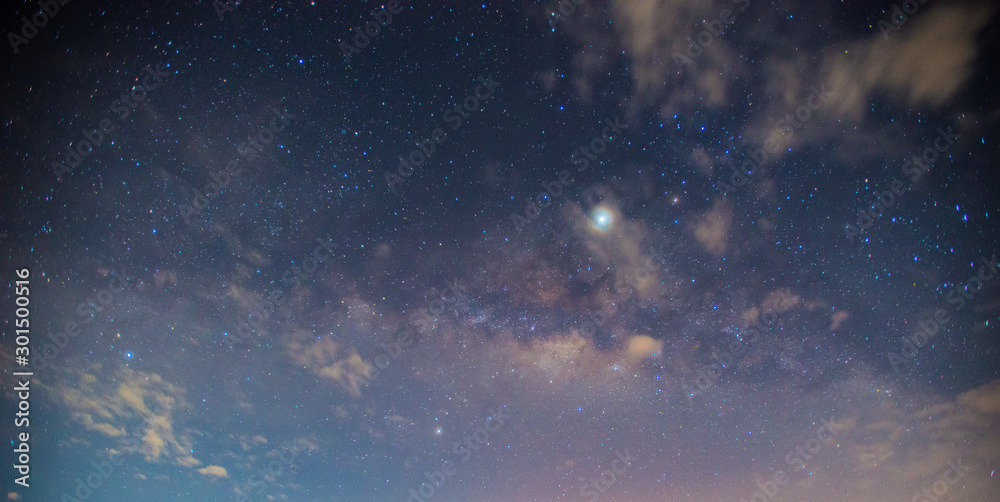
[601, 220]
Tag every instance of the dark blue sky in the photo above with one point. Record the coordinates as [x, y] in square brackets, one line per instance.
[643, 250]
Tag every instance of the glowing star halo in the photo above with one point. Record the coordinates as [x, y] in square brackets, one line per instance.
[601, 220]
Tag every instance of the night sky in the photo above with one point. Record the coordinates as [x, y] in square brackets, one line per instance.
[528, 251]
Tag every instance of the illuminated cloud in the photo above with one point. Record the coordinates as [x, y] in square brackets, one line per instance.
[925, 63]
[780, 300]
[142, 403]
[321, 356]
[651, 32]
[917, 445]
[712, 231]
[215, 471]
[837, 319]
[640, 347]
